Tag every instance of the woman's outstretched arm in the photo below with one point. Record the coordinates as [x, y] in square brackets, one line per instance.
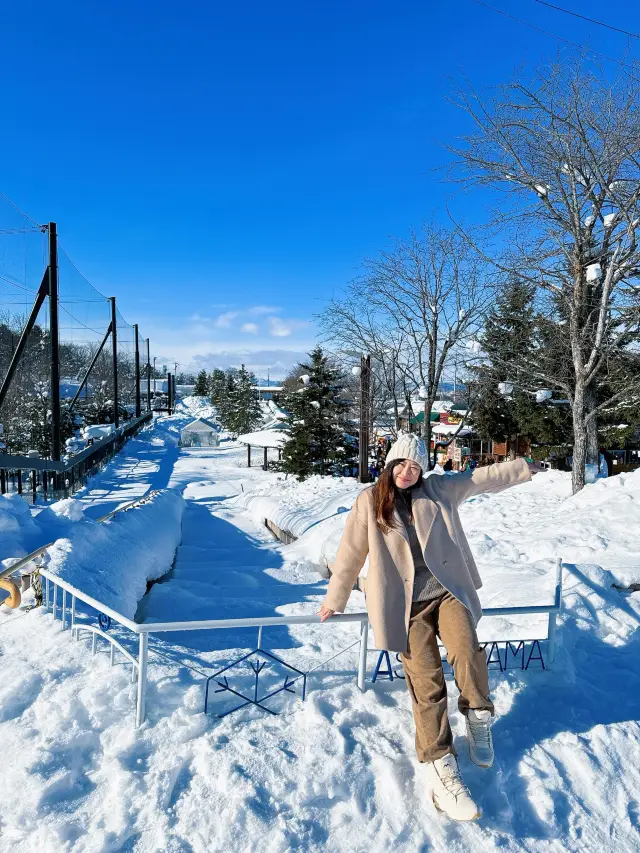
[489, 478]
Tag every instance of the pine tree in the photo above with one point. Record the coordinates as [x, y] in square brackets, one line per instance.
[512, 332]
[244, 406]
[226, 400]
[217, 386]
[316, 423]
[201, 388]
[508, 335]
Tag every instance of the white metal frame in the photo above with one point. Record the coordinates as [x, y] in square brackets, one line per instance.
[143, 630]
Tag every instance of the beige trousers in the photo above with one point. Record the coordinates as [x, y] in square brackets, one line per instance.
[447, 618]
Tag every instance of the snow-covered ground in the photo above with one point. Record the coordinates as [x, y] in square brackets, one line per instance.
[337, 772]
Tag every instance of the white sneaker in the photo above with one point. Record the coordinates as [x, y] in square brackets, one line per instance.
[449, 792]
[479, 737]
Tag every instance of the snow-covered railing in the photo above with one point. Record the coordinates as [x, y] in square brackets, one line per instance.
[144, 629]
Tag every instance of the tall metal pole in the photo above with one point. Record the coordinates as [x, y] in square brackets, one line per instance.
[114, 350]
[138, 411]
[363, 438]
[169, 392]
[54, 334]
[148, 378]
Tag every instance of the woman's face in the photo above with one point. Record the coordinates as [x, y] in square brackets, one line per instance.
[406, 474]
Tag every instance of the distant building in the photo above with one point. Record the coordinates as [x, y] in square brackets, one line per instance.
[270, 392]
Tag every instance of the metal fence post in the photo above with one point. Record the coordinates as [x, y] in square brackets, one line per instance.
[362, 663]
[114, 355]
[551, 633]
[149, 378]
[142, 679]
[137, 366]
[55, 342]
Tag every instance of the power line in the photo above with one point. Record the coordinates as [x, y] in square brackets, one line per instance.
[561, 38]
[591, 20]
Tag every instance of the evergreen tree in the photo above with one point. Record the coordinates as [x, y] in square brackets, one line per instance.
[225, 403]
[244, 412]
[316, 423]
[512, 332]
[217, 386]
[202, 385]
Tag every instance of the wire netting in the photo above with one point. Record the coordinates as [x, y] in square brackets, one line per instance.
[23, 251]
[87, 376]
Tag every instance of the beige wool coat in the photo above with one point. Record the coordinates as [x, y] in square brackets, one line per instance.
[389, 582]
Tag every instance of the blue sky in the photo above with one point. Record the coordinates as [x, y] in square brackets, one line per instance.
[222, 169]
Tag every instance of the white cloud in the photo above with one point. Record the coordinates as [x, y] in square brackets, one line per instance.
[283, 328]
[224, 320]
[250, 328]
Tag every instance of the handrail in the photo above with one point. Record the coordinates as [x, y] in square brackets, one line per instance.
[9, 461]
[144, 629]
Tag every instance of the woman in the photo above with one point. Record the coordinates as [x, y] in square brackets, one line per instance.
[421, 585]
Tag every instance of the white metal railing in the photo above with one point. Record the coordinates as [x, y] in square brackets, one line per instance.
[144, 629]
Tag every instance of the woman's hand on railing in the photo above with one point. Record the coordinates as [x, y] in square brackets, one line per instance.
[324, 613]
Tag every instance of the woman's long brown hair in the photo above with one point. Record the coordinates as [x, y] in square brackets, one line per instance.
[384, 498]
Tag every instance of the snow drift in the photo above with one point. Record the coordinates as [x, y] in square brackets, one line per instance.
[113, 561]
[22, 530]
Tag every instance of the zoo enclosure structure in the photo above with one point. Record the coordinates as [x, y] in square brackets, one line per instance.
[67, 356]
[144, 630]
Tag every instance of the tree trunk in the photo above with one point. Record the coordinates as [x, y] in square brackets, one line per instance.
[593, 445]
[579, 444]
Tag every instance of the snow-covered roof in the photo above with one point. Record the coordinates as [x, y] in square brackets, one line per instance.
[449, 429]
[264, 438]
[200, 425]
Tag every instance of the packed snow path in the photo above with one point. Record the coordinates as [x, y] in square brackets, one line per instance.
[336, 773]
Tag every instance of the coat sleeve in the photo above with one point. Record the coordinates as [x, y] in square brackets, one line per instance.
[489, 478]
[352, 552]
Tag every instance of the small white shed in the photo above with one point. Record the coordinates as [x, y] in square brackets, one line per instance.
[199, 433]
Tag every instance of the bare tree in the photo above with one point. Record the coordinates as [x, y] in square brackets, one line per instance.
[563, 154]
[413, 308]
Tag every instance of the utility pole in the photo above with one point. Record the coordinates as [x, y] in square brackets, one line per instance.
[148, 378]
[363, 438]
[138, 409]
[54, 334]
[114, 352]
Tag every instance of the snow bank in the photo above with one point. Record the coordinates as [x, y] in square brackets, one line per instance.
[314, 509]
[113, 561]
[22, 530]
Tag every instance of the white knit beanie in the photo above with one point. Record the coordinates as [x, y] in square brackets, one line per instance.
[410, 446]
